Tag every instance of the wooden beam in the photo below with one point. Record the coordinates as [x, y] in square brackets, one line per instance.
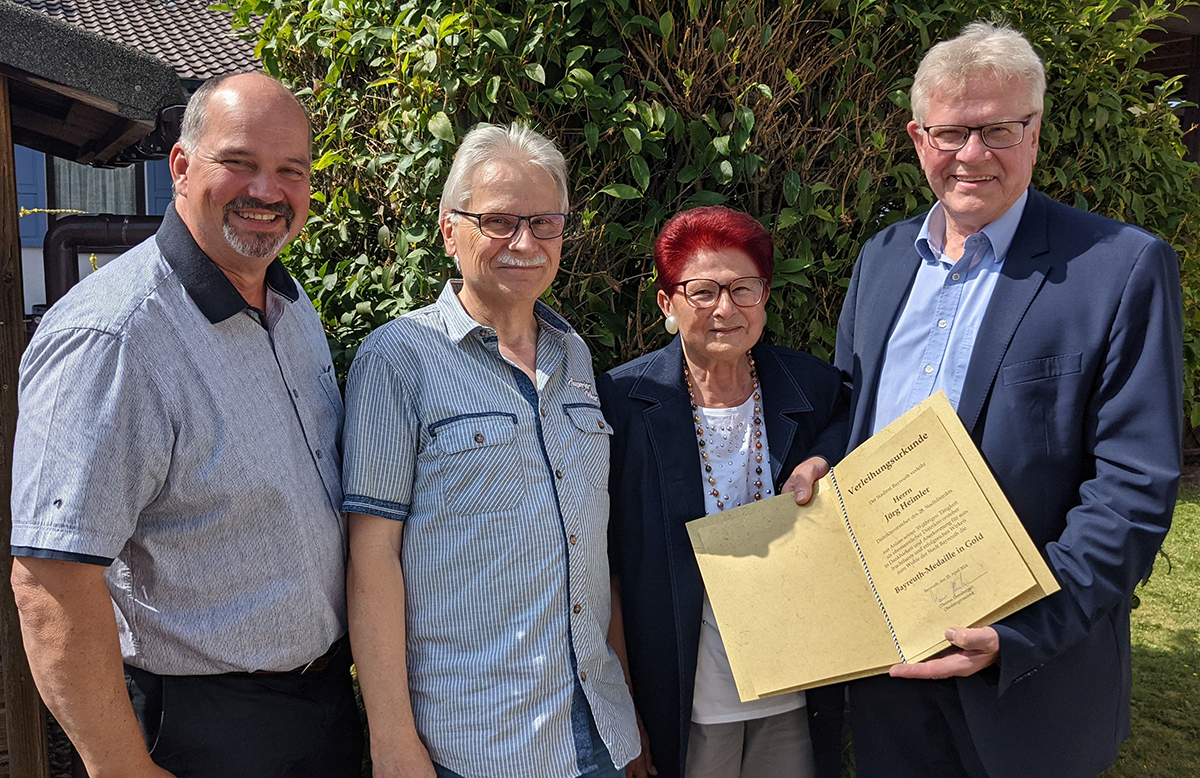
[104, 104]
[121, 135]
[25, 714]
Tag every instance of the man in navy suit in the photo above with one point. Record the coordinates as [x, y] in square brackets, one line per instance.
[1056, 334]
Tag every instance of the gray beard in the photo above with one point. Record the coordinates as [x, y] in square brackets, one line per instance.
[262, 247]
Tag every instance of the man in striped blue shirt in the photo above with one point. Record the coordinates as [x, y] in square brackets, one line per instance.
[476, 473]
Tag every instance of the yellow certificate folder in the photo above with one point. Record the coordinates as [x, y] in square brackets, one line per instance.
[909, 535]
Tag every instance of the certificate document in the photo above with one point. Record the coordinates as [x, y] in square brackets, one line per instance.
[908, 535]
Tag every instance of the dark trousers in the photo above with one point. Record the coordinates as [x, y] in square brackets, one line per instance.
[250, 725]
[905, 728]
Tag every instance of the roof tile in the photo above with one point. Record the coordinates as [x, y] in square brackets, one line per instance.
[197, 42]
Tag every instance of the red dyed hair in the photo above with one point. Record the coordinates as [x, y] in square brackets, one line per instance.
[712, 227]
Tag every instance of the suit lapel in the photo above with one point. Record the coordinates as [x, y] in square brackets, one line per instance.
[1021, 277]
[878, 307]
[781, 396]
[673, 440]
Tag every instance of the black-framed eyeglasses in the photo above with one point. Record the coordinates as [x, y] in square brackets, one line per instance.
[544, 226]
[705, 292]
[997, 135]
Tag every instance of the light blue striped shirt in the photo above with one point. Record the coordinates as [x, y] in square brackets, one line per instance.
[503, 485]
[931, 344]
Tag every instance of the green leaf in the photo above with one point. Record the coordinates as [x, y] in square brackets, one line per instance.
[700, 135]
[633, 138]
[745, 117]
[576, 54]
[621, 191]
[694, 9]
[864, 181]
[439, 125]
[330, 157]
[535, 72]
[705, 198]
[791, 187]
[641, 172]
[717, 40]
[765, 38]
[666, 24]
[493, 89]
[592, 133]
[608, 55]
[497, 37]
[519, 101]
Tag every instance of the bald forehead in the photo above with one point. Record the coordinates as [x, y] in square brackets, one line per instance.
[252, 89]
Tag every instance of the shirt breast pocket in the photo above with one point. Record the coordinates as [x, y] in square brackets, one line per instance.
[480, 470]
[589, 448]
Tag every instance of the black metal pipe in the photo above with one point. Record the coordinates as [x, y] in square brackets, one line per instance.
[60, 250]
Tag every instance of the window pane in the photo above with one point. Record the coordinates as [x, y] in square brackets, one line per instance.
[95, 190]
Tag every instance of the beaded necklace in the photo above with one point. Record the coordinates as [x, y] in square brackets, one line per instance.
[757, 435]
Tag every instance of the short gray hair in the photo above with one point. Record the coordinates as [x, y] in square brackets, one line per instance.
[492, 143]
[196, 115]
[984, 50]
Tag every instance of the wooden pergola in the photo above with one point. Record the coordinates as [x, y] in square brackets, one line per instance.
[86, 99]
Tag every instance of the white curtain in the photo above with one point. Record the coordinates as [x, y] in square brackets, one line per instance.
[95, 190]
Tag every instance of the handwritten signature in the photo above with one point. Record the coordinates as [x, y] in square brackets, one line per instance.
[957, 585]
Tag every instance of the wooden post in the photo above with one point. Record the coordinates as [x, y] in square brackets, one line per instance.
[25, 714]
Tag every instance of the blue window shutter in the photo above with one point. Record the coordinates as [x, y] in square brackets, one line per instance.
[31, 193]
[158, 186]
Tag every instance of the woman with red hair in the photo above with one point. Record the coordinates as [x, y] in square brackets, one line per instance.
[712, 421]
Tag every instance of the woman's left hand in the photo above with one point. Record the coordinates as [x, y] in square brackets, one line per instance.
[802, 483]
[643, 765]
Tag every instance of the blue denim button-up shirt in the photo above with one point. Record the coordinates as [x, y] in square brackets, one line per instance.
[502, 482]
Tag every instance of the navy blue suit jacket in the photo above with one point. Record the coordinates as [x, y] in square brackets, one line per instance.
[656, 488]
[1074, 396]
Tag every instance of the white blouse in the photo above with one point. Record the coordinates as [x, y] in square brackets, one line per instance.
[729, 441]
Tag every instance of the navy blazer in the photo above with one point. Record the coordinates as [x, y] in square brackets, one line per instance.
[1074, 396]
[655, 488]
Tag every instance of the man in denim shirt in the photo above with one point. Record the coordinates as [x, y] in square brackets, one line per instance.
[474, 435]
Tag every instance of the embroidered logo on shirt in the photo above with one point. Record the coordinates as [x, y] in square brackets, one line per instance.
[586, 388]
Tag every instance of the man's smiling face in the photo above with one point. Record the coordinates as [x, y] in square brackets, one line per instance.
[977, 184]
[243, 190]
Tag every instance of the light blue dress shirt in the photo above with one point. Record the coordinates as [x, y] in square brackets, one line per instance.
[931, 344]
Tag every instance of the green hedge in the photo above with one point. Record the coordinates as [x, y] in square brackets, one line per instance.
[793, 111]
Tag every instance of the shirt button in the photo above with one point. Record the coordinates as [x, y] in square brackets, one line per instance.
[583, 675]
[319, 454]
[941, 324]
[955, 277]
[577, 608]
[928, 369]
[558, 474]
[478, 437]
[543, 411]
[573, 540]
[601, 423]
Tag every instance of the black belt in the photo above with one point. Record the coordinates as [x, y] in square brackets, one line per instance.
[320, 664]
